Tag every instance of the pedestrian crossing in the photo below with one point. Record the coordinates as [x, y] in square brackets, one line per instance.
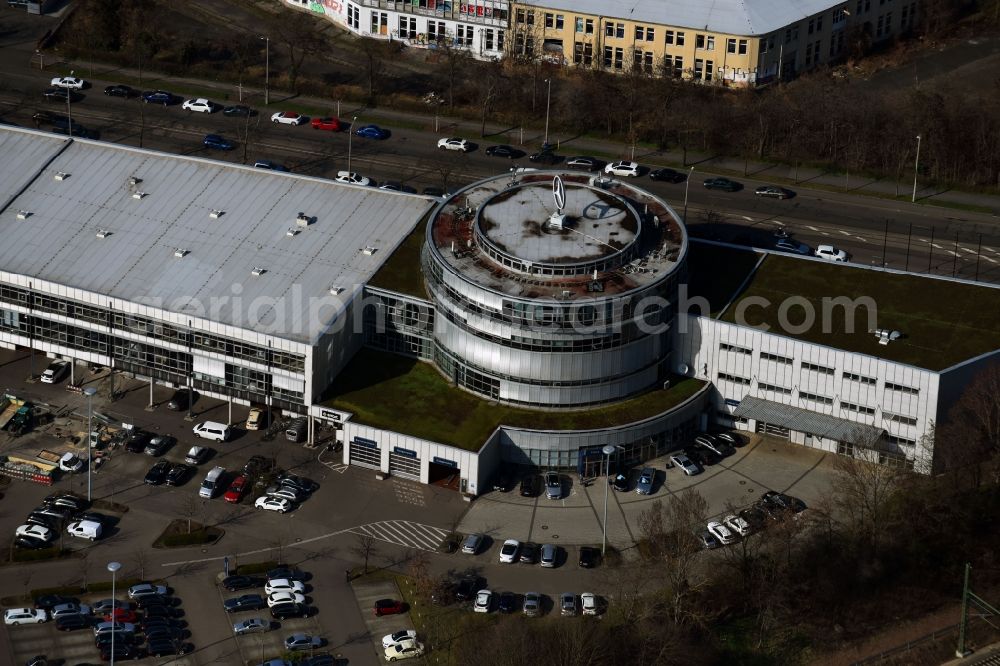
[404, 533]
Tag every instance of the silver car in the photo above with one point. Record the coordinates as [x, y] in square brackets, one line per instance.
[472, 544]
[647, 477]
[685, 464]
[553, 486]
[549, 553]
[252, 626]
[567, 604]
[532, 604]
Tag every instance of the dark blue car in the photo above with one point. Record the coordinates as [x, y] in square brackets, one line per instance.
[268, 164]
[157, 97]
[217, 142]
[372, 132]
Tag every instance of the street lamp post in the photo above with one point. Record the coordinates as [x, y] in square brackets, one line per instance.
[267, 69]
[548, 101]
[69, 106]
[916, 171]
[349, 138]
[89, 392]
[687, 186]
[607, 451]
[113, 567]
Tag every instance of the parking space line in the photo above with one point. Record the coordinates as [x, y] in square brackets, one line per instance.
[531, 525]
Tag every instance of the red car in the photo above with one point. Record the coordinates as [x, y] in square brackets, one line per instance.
[236, 489]
[122, 615]
[332, 124]
[389, 607]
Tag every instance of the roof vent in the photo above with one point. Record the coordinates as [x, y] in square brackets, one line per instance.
[180, 252]
[336, 291]
[257, 271]
[61, 175]
[885, 336]
[23, 214]
[138, 194]
[369, 250]
[303, 220]
[292, 231]
[103, 233]
[133, 181]
[216, 214]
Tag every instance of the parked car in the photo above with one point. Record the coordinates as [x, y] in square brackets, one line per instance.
[783, 502]
[532, 605]
[68, 82]
[589, 557]
[268, 164]
[32, 531]
[584, 162]
[830, 253]
[707, 540]
[389, 607]
[201, 105]
[299, 483]
[284, 585]
[622, 168]
[66, 500]
[158, 97]
[507, 602]
[160, 445]
[508, 552]
[74, 622]
[398, 637]
[714, 444]
[529, 487]
[529, 553]
[472, 544]
[408, 649]
[685, 464]
[146, 589]
[484, 601]
[553, 486]
[15, 616]
[588, 601]
[157, 474]
[198, 454]
[502, 481]
[737, 525]
[238, 111]
[70, 608]
[56, 372]
[237, 489]
[216, 142]
[467, 588]
[303, 642]
[181, 399]
[288, 118]
[550, 555]
[722, 184]
[326, 123]
[254, 625]
[352, 178]
[567, 604]
[544, 157]
[774, 192]
[792, 246]
[119, 90]
[256, 419]
[454, 144]
[620, 482]
[504, 151]
[137, 441]
[105, 605]
[721, 532]
[236, 583]
[122, 615]
[289, 611]
[59, 95]
[647, 478]
[372, 132]
[244, 603]
[289, 493]
[667, 175]
[396, 186]
[30, 543]
[291, 573]
[179, 473]
[733, 439]
[279, 504]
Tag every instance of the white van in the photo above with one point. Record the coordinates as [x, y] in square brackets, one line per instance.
[213, 430]
[88, 529]
[212, 483]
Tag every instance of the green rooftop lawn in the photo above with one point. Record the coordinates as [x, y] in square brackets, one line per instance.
[409, 396]
[942, 322]
[716, 273]
[401, 271]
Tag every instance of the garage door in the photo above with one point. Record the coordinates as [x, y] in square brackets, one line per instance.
[404, 463]
[365, 453]
[771, 429]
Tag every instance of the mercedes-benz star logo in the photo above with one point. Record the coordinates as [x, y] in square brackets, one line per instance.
[559, 193]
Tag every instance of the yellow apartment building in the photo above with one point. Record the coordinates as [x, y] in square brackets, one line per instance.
[725, 42]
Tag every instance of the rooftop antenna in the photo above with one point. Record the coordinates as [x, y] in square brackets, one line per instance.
[557, 219]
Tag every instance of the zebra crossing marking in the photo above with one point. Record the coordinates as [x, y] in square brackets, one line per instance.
[403, 533]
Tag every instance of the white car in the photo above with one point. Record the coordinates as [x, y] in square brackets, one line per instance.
[146, 590]
[588, 600]
[55, 372]
[630, 169]
[737, 524]
[398, 637]
[508, 551]
[352, 178]
[830, 253]
[404, 650]
[36, 532]
[68, 82]
[24, 616]
[685, 464]
[288, 118]
[484, 601]
[278, 504]
[285, 598]
[200, 105]
[454, 144]
[721, 532]
[284, 585]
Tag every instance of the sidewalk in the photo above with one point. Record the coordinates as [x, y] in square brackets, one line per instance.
[704, 164]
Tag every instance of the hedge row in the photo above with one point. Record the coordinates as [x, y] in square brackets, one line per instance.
[53, 553]
[75, 590]
[255, 568]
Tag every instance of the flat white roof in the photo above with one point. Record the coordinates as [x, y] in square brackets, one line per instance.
[352, 231]
[731, 17]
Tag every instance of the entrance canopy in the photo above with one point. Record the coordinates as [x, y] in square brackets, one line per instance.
[803, 420]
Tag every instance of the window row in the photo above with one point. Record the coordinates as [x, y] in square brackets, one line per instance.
[725, 346]
[774, 388]
[821, 399]
[734, 379]
[821, 369]
[902, 389]
[861, 379]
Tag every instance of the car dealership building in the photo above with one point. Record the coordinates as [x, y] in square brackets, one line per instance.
[527, 319]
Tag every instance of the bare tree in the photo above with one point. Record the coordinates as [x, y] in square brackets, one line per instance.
[971, 433]
[189, 507]
[364, 547]
[141, 558]
[300, 33]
